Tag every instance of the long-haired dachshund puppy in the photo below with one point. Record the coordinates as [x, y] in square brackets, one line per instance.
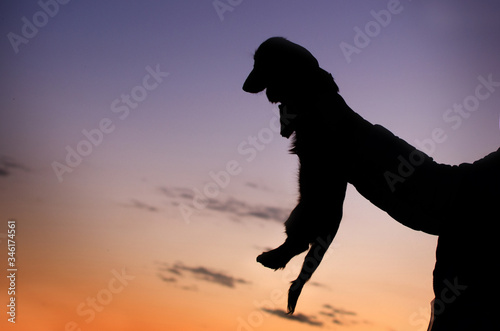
[336, 146]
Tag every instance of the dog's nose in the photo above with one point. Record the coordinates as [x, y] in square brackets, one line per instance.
[254, 82]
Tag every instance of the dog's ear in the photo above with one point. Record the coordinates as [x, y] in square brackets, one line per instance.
[319, 82]
[308, 85]
[288, 117]
[308, 88]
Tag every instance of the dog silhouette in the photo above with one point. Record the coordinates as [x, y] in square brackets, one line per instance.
[336, 146]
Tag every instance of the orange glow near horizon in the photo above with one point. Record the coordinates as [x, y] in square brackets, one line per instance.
[156, 224]
[102, 293]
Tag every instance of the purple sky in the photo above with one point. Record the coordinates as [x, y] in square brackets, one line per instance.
[161, 81]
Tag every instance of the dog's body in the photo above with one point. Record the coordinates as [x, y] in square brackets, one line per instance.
[336, 146]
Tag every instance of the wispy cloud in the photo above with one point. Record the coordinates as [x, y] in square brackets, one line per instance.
[241, 209]
[134, 203]
[167, 279]
[200, 273]
[7, 164]
[176, 192]
[338, 311]
[319, 285]
[258, 186]
[340, 316]
[232, 207]
[328, 316]
[298, 317]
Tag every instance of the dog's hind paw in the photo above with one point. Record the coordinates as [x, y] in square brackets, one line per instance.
[279, 257]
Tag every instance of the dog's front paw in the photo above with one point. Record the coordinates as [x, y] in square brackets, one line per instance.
[279, 257]
[272, 260]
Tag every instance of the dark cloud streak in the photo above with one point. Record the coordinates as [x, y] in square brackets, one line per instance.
[298, 317]
[201, 273]
[143, 206]
[234, 208]
[7, 164]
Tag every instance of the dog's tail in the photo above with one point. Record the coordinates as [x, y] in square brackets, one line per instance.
[311, 263]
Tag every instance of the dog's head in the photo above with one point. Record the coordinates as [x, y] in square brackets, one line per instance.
[290, 74]
[280, 66]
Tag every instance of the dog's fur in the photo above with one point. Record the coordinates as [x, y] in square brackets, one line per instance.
[336, 146]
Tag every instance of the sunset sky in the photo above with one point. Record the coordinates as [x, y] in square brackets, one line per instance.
[144, 182]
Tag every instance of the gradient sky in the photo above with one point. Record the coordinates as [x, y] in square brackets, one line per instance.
[144, 231]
